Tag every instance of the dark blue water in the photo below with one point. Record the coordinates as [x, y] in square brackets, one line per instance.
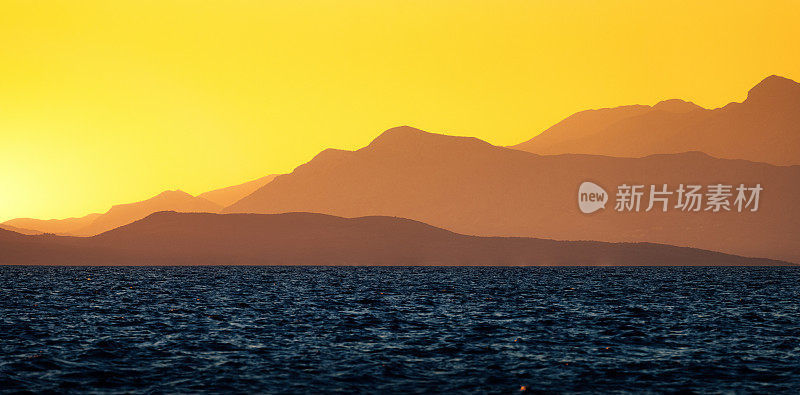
[415, 329]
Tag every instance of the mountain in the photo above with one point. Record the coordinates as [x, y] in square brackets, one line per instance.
[20, 230]
[118, 215]
[468, 186]
[579, 126]
[763, 128]
[230, 195]
[9, 236]
[124, 214]
[56, 226]
[169, 238]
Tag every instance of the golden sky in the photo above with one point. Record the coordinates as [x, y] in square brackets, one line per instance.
[105, 102]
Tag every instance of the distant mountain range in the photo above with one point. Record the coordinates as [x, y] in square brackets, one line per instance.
[169, 238]
[468, 186]
[763, 128]
[66, 226]
[230, 195]
[118, 215]
[92, 224]
[20, 230]
[472, 187]
[124, 214]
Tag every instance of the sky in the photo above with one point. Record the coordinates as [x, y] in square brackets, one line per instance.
[107, 102]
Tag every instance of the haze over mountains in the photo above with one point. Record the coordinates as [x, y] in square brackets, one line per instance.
[55, 226]
[118, 215]
[230, 195]
[472, 187]
[123, 214]
[169, 238]
[20, 230]
[763, 128]
[468, 186]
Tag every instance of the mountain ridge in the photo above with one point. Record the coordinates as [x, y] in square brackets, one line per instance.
[117, 215]
[171, 238]
[765, 127]
[476, 188]
[228, 195]
[122, 214]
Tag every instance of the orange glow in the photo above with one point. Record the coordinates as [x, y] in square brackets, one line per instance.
[113, 102]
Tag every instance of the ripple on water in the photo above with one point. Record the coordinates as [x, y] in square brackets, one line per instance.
[412, 329]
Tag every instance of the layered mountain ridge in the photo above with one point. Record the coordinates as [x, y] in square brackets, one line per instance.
[765, 127]
[170, 238]
[469, 186]
[472, 187]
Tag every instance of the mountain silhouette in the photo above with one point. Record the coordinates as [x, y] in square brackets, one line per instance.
[229, 195]
[123, 214]
[20, 230]
[169, 238]
[127, 213]
[118, 215]
[763, 128]
[471, 187]
[67, 226]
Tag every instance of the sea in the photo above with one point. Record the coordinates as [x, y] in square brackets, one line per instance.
[298, 329]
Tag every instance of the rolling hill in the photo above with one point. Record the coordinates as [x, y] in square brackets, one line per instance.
[169, 238]
[118, 215]
[124, 214]
[65, 226]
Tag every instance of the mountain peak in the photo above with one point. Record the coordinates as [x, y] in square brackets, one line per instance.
[173, 194]
[400, 133]
[407, 136]
[775, 89]
[676, 106]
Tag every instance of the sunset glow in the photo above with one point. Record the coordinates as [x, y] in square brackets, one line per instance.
[106, 102]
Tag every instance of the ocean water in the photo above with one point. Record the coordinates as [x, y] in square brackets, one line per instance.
[399, 329]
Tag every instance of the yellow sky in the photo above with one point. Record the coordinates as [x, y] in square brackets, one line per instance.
[105, 102]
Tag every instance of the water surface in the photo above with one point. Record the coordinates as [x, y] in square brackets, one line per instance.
[409, 329]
